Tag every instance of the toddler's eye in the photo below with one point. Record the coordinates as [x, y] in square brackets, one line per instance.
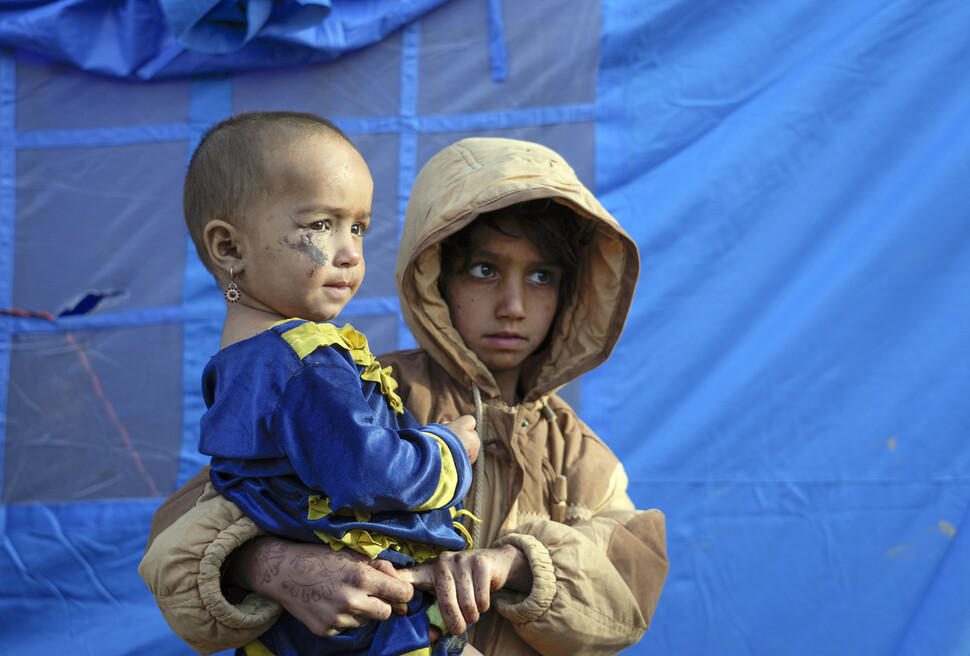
[319, 225]
[358, 229]
[481, 270]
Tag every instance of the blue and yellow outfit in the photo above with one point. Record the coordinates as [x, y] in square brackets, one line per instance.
[308, 437]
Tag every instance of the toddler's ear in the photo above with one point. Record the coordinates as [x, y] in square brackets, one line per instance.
[221, 240]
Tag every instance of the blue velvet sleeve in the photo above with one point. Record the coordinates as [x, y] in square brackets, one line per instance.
[342, 438]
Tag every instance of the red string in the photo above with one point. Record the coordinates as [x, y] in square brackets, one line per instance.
[96, 384]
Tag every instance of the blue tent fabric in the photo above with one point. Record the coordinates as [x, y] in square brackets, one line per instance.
[221, 26]
[135, 39]
[801, 345]
[791, 388]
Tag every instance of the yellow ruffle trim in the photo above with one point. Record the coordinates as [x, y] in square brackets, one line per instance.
[372, 544]
[307, 337]
[469, 543]
[256, 648]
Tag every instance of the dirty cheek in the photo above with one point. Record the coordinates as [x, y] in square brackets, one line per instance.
[306, 246]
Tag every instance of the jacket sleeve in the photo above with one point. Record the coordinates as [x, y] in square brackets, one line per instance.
[597, 576]
[182, 566]
[406, 467]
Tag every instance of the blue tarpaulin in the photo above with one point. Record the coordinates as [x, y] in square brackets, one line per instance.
[793, 385]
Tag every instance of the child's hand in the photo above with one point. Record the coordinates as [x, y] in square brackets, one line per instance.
[463, 581]
[329, 591]
[464, 428]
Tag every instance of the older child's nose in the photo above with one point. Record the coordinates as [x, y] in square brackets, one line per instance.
[512, 301]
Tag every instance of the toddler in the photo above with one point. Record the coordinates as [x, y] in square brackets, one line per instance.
[304, 428]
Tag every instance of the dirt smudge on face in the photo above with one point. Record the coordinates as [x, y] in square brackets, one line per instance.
[308, 248]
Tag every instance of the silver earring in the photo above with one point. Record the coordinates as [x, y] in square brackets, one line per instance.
[232, 292]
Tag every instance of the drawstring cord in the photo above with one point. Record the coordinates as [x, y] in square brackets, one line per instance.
[558, 509]
[557, 504]
[479, 466]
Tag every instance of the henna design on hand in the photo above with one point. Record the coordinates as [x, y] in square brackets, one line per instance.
[266, 563]
[316, 581]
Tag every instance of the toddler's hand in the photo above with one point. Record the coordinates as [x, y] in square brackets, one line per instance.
[464, 428]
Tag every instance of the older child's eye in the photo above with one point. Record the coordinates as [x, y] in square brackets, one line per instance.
[542, 277]
[481, 270]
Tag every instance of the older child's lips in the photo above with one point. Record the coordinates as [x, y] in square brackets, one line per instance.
[506, 340]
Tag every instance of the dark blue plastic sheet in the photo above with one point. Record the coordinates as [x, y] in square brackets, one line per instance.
[792, 386]
[145, 40]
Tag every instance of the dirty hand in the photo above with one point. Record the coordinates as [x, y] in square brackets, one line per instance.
[329, 591]
[463, 581]
[464, 428]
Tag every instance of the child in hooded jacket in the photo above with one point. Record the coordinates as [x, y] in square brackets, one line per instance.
[514, 280]
[303, 425]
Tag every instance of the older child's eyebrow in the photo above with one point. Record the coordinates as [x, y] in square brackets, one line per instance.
[548, 264]
[483, 254]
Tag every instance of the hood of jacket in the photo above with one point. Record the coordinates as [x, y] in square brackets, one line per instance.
[478, 175]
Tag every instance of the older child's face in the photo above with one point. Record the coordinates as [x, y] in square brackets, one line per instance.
[504, 302]
[303, 248]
